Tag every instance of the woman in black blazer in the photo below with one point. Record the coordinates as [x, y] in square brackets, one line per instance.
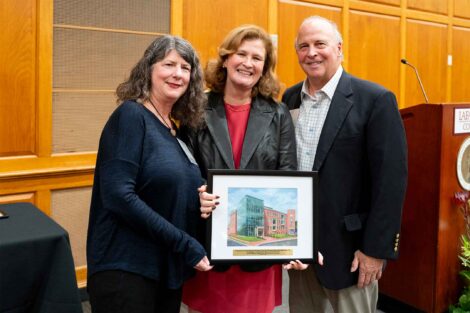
[246, 129]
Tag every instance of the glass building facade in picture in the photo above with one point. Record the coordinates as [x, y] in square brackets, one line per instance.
[250, 219]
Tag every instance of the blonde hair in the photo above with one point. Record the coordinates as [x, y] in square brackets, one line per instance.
[216, 75]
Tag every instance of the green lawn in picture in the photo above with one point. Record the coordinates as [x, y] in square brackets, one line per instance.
[248, 238]
[282, 236]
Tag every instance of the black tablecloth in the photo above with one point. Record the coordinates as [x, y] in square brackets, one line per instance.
[36, 267]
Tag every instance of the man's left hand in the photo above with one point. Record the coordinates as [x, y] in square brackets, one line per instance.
[370, 268]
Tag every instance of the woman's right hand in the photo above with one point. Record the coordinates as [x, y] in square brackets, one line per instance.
[295, 265]
[299, 266]
[204, 265]
[208, 201]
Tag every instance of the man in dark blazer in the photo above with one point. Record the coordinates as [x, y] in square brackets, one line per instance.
[351, 132]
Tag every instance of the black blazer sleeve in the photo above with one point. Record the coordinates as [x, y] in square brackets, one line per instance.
[387, 159]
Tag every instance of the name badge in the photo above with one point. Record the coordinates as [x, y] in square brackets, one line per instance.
[188, 153]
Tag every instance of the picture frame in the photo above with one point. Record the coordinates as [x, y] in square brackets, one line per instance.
[263, 216]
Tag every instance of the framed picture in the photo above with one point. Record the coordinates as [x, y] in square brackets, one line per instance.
[263, 216]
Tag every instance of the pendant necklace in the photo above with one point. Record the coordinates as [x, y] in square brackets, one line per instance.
[172, 131]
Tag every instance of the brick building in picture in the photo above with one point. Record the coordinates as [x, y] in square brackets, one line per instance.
[274, 222]
[291, 222]
[252, 218]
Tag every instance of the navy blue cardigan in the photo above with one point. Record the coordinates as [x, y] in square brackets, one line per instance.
[145, 205]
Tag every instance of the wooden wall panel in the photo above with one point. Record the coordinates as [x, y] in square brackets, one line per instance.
[426, 49]
[136, 15]
[374, 48]
[461, 64]
[78, 120]
[22, 197]
[295, 12]
[462, 8]
[435, 6]
[392, 2]
[46, 182]
[215, 18]
[17, 77]
[95, 60]
[70, 208]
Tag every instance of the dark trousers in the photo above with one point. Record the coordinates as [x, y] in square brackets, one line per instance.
[124, 292]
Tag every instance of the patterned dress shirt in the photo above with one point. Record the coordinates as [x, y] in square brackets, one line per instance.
[312, 115]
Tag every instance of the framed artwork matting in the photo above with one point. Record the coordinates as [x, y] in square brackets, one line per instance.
[263, 216]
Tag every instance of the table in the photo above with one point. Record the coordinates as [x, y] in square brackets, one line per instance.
[37, 273]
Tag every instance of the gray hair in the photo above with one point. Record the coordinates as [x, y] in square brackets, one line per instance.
[315, 18]
[189, 108]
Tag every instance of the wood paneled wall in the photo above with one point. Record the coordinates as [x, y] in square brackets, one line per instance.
[434, 35]
[377, 34]
[18, 78]
[289, 14]
[215, 18]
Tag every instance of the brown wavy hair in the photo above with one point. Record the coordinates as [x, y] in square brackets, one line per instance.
[189, 108]
[216, 75]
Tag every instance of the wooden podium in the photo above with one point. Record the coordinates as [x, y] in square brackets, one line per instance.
[426, 274]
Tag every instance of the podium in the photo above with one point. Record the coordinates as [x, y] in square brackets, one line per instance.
[426, 274]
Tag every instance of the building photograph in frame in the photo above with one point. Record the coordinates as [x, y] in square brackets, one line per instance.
[263, 216]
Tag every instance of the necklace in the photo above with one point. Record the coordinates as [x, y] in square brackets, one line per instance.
[172, 131]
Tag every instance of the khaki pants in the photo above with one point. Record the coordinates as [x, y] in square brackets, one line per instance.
[306, 295]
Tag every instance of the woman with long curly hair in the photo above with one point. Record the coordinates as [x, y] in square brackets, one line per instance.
[246, 129]
[140, 246]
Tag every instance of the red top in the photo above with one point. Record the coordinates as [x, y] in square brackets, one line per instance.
[235, 291]
[237, 120]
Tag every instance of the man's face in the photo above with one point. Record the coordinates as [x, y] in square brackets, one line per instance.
[318, 51]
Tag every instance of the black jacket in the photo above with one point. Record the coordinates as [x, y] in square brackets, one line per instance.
[362, 163]
[269, 140]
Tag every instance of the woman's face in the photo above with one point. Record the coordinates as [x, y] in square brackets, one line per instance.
[245, 66]
[170, 78]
